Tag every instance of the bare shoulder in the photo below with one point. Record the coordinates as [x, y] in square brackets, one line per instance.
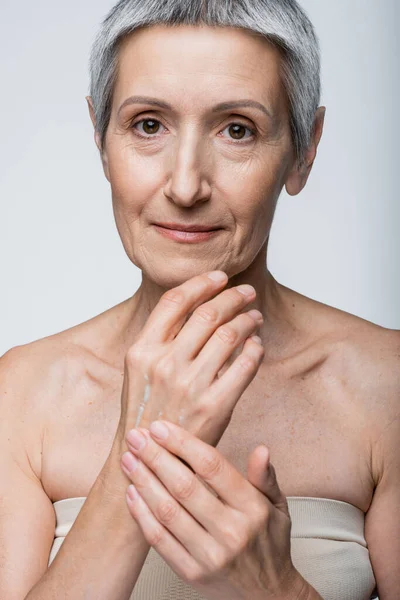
[358, 357]
[59, 360]
[368, 356]
[368, 359]
[377, 357]
[40, 379]
[362, 361]
[363, 353]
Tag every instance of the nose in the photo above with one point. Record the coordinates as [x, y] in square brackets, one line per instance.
[188, 182]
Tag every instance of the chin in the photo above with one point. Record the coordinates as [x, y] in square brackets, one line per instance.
[171, 274]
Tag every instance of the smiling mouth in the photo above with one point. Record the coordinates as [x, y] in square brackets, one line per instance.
[183, 227]
[186, 235]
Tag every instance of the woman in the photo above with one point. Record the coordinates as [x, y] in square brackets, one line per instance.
[202, 113]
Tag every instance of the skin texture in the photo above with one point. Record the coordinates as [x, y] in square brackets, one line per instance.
[195, 170]
[221, 537]
[325, 399]
[192, 171]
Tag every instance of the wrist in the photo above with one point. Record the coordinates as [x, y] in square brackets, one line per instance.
[303, 590]
[299, 588]
[111, 477]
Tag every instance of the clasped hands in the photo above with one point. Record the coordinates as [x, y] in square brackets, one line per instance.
[225, 535]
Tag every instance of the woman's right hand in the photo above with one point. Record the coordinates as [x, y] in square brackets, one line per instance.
[181, 369]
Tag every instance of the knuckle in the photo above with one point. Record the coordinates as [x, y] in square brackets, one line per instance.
[174, 297]
[183, 446]
[185, 487]
[249, 321]
[262, 513]
[167, 512]
[164, 368]
[156, 536]
[134, 356]
[247, 363]
[210, 466]
[235, 538]
[155, 458]
[193, 574]
[236, 297]
[227, 334]
[183, 385]
[216, 559]
[206, 313]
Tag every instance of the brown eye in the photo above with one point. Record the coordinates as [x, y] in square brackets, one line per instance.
[236, 130]
[150, 125]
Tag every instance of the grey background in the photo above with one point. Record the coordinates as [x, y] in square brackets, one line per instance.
[61, 258]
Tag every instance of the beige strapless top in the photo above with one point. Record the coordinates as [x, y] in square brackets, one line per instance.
[327, 547]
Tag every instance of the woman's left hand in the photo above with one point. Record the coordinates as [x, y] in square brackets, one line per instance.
[227, 536]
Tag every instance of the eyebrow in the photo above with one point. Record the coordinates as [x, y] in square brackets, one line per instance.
[217, 108]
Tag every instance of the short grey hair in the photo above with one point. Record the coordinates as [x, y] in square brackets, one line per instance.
[281, 22]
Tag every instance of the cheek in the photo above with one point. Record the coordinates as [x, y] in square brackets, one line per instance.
[254, 220]
[133, 184]
[256, 197]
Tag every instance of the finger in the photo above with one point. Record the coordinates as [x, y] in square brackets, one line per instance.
[209, 316]
[182, 484]
[228, 483]
[274, 492]
[262, 474]
[221, 346]
[157, 536]
[167, 317]
[236, 379]
[169, 512]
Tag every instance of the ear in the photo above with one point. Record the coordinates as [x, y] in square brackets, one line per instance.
[103, 153]
[298, 176]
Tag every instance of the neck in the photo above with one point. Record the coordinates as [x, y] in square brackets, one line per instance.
[272, 300]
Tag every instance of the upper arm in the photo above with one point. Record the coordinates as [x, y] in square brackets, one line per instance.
[27, 518]
[382, 521]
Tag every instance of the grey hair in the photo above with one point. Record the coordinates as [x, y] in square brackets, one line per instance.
[281, 22]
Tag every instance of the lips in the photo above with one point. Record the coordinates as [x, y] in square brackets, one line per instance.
[198, 233]
[184, 227]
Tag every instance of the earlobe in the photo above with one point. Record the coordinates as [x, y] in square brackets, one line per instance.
[295, 181]
[93, 119]
[97, 140]
[104, 161]
[298, 177]
[91, 110]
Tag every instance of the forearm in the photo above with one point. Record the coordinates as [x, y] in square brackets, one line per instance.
[103, 553]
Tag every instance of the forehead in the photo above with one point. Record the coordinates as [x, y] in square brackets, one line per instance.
[195, 65]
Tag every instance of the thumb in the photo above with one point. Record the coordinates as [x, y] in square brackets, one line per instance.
[261, 473]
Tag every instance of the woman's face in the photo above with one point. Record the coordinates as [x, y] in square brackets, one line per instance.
[191, 162]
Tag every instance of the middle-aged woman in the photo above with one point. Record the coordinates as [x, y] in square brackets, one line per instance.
[279, 474]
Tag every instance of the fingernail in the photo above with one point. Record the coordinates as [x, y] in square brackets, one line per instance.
[129, 461]
[159, 430]
[135, 439]
[246, 290]
[256, 339]
[218, 276]
[255, 314]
